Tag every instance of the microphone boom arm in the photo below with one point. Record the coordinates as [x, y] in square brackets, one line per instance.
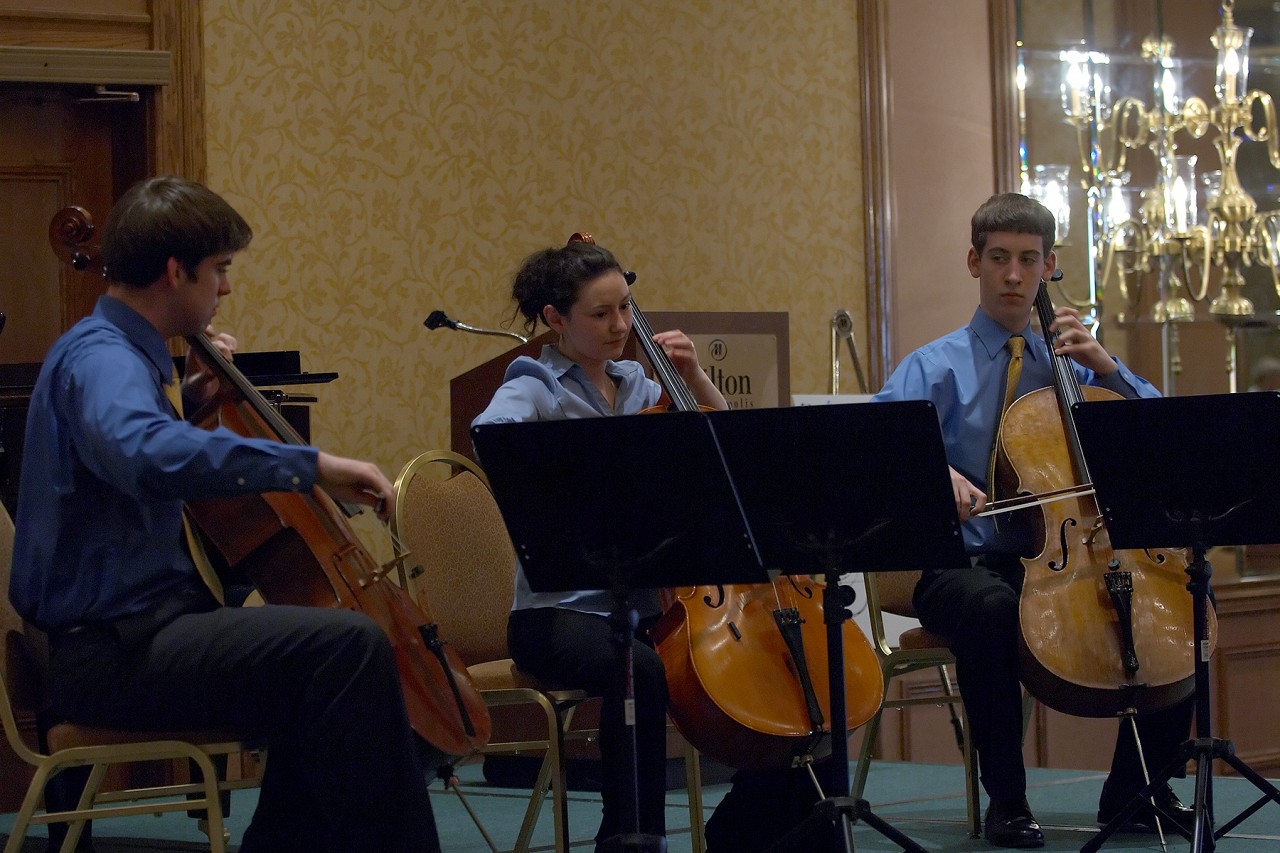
[436, 319]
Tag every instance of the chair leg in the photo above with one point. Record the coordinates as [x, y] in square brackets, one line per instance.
[972, 801]
[551, 774]
[1028, 706]
[537, 796]
[215, 828]
[76, 827]
[960, 721]
[870, 732]
[949, 691]
[693, 781]
[22, 821]
[560, 793]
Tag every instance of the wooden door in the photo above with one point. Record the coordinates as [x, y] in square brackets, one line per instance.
[60, 145]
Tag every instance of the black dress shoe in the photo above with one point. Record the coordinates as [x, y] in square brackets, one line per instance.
[1009, 823]
[1144, 819]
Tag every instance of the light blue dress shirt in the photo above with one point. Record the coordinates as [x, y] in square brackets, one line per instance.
[553, 388]
[106, 467]
[962, 374]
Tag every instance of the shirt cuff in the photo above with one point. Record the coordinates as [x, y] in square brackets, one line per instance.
[1119, 380]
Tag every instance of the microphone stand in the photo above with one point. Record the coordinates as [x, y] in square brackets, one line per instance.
[436, 319]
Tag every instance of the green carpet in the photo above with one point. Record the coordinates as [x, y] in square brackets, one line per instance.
[925, 802]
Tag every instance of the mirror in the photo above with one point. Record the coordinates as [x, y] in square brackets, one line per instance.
[1116, 115]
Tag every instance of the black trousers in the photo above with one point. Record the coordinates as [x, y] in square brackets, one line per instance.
[765, 806]
[343, 770]
[576, 651]
[977, 609]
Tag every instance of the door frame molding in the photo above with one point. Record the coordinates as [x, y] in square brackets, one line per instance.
[163, 50]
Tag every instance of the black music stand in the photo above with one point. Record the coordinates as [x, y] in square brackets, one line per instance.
[837, 489]
[617, 504]
[1165, 479]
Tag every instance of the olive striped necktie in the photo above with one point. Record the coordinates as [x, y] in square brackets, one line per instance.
[1014, 344]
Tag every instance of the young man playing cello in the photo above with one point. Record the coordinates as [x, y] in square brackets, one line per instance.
[963, 374]
[137, 640]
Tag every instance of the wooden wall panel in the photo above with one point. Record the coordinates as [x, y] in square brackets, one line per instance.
[110, 24]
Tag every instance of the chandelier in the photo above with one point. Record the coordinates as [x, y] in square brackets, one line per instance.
[1167, 234]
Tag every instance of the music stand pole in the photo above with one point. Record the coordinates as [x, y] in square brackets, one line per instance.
[623, 621]
[839, 808]
[835, 601]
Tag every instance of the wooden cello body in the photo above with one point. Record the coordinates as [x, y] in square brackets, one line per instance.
[747, 663]
[741, 690]
[298, 548]
[1102, 630]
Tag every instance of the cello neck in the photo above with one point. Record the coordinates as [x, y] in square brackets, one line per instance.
[1065, 383]
[276, 423]
[670, 379]
[228, 372]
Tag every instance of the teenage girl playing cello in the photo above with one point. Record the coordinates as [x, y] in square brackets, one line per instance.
[580, 292]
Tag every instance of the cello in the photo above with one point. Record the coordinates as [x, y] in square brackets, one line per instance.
[298, 547]
[747, 663]
[1103, 631]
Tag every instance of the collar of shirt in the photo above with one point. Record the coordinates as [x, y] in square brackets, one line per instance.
[140, 332]
[993, 336]
[561, 364]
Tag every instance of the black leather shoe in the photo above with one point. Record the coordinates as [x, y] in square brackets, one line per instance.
[1009, 823]
[1144, 819]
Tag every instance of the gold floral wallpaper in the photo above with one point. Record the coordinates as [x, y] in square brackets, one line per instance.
[395, 157]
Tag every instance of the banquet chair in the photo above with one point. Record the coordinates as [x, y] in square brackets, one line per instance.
[461, 562]
[916, 649]
[70, 745]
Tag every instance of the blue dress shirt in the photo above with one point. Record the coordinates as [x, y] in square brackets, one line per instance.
[555, 388]
[106, 467]
[962, 374]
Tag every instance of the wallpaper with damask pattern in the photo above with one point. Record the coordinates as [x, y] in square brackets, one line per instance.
[400, 156]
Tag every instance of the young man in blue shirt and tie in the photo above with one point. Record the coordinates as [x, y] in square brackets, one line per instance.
[964, 374]
[137, 640]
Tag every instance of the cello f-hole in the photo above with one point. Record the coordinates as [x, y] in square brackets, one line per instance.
[1062, 539]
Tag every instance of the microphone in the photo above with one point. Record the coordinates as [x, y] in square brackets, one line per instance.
[436, 319]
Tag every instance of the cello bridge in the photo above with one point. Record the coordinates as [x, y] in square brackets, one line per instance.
[1093, 531]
